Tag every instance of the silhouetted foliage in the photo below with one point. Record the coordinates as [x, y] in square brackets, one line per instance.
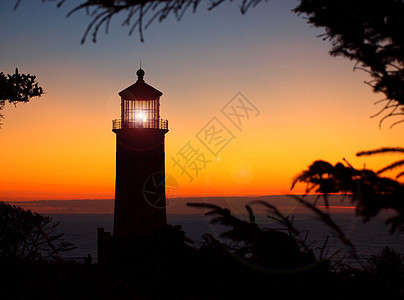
[369, 33]
[17, 88]
[388, 265]
[366, 189]
[29, 236]
[246, 262]
[139, 14]
[381, 278]
[325, 217]
[386, 150]
[271, 248]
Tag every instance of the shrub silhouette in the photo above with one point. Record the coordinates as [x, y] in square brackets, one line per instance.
[245, 261]
[29, 236]
[17, 88]
[388, 266]
[370, 192]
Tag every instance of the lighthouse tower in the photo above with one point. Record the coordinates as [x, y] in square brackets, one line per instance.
[140, 162]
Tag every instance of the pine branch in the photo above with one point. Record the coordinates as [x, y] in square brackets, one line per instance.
[391, 166]
[381, 151]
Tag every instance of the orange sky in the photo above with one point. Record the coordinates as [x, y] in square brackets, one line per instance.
[59, 151]
[311, 106]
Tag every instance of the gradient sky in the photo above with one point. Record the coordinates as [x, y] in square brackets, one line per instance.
[60, 146]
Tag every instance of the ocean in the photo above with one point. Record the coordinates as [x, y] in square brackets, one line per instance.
[368, 238]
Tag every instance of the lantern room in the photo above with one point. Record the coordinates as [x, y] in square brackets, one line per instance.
[140, 159]
[140, 106]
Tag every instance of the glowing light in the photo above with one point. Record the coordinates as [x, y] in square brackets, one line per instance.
[141, 116]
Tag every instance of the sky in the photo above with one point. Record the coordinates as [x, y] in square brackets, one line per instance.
[305, 105]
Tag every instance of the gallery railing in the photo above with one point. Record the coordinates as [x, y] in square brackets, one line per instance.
[157, 124]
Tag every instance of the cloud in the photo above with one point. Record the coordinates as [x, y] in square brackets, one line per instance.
[89, 206]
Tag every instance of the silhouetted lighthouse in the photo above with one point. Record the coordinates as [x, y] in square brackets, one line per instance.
[140, 162]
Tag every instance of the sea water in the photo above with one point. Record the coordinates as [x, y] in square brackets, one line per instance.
[368, 238]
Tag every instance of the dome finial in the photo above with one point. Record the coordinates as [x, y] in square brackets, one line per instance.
[140, 73]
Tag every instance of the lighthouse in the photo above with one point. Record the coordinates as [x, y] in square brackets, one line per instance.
[140, 162]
